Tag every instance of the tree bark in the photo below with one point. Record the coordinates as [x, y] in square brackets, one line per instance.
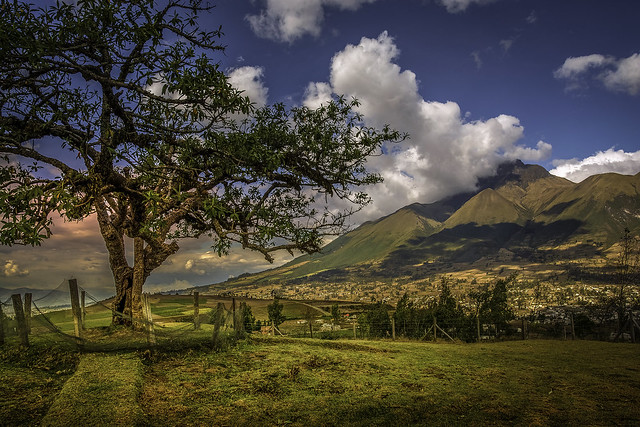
[138, 281]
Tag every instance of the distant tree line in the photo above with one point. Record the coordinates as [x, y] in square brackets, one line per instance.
[488, 306]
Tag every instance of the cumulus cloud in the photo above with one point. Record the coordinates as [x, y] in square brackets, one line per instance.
[611, 160]
[455, 6]
[618, 75]
[445, 154]
[249, 80]
[12, 269]
[625, 77]
[317, 94]
[286, 21]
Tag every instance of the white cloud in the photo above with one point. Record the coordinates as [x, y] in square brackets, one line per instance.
[445, 153]
[532, 18]
[626, 76]
[249, 80]
[575, 66]
[12, 269]
[455, 6]
[618, 75]
[477, 58]
[286, 20]
[317, 94]
[506, 44]
[611, 160]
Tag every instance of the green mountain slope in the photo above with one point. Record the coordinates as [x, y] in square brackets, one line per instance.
[522, 209]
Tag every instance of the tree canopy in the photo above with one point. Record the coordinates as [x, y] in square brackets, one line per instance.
[120, 109]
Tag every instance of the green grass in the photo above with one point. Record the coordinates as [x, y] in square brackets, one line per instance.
[103, 391]
[30, 380]
[266, 380]
[274, 381]
[312, 382]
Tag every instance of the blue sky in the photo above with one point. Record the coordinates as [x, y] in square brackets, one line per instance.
[474, 82]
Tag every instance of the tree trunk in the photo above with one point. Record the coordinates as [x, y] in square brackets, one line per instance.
[128, 281]
[138, 281]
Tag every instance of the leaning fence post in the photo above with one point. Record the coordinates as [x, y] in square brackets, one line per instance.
[27, 311]
[196, 310]
[22, 324]
[1, 325]
[83, 312]
[75, 308]
[435, 327]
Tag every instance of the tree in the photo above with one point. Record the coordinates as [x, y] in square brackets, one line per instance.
[479, 299]
[119, 109]
[275, 312]
[335, 313]
[375, 318]
[627, 268]
[447, 311]
[247, 317]
[499, 311]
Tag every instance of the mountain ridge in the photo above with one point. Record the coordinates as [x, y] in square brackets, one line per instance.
[521, 210]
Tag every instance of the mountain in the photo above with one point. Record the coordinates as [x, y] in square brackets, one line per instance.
[522, 211]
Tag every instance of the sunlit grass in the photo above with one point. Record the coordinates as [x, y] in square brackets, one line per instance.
[276, 381]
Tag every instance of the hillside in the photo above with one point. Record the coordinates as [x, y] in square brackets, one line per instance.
[522, 213]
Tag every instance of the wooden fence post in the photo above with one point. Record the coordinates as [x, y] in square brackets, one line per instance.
[22, 324]
[311, 327]
[573, 328]
[435, 328]
[196, 310]
[524, 336]
[75, 307]
[148, 320]
[355, 336]
[233, 310]
[83, 311]
[27, 311]
[478, 327]
[393, 328]
[1, 325]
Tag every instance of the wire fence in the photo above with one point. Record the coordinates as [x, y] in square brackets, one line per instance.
[49, 317]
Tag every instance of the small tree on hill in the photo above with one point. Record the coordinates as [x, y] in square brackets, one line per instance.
[375, 319]
[118, 109]
[499, 311]
[247, 318]
[275, 312]
[335, 313]
[627, 266]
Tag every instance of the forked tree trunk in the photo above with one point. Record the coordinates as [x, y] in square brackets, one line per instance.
[128, 280]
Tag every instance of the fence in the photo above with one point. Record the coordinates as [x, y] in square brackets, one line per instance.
[70, 314]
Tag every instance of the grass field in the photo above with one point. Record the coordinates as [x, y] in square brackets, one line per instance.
[276, 381]
[266, 380]
[286, 381]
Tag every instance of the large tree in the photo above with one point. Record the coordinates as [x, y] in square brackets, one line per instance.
[120, 109]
